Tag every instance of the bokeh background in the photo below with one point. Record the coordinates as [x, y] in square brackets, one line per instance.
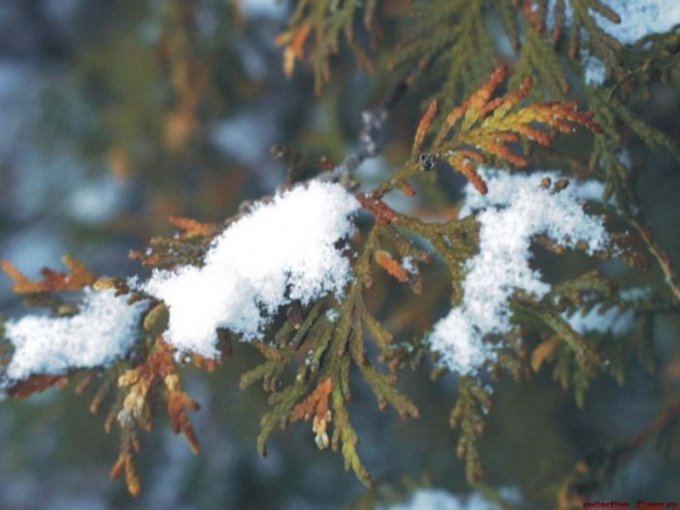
[115, 115]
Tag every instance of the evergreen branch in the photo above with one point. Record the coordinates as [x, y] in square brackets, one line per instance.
[473, 401]
[483, 126]
[450, 38]
[319, 26]
[345, 439]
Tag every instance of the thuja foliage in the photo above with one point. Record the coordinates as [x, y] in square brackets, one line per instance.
[502, 83]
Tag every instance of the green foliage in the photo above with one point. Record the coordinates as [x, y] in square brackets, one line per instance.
[320, 25]
[316, 353]
[450, 38]
[473, 402]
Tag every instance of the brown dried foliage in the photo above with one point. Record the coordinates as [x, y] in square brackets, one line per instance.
[36, 384]
[383, 213]
[52, 281]
[389, 264]
[130, 445]
[159, 368]
[315, 406]
[193, 228]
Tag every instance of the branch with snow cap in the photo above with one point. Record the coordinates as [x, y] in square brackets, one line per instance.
[516, 210]
[281, 251]
[103, 331]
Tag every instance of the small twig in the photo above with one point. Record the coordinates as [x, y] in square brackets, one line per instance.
[383, 213]
[373, 121]
[616, 455]
[654, 426]
[660, 255]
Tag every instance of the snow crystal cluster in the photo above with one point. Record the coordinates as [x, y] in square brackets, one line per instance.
[103, 331]
[281, 251]
[515, 210]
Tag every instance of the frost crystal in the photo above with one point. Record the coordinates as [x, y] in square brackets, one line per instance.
[515, 210]
[104, 330]
[283, 250]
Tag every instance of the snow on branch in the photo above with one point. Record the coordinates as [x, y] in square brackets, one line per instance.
[515, 210]
[103, 331]
[283, 250]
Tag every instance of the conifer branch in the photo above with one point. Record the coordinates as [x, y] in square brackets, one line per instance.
[483, 127]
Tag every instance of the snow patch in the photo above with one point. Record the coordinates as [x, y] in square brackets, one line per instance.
[437, 499]
[640, 18]
[103, 331]
[505, 186]
[515, 210]
[281, 251]
[602, 320]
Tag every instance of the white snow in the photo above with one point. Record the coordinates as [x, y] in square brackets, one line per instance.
[602, 320]
[103, 331]
[505, 186]
[514, 211]
[639, 18]
[281, 251]
[595, 71]
[437, 499]
[609, 319]
[636, 294]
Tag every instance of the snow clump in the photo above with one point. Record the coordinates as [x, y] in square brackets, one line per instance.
[283, 250]
[103, 331]
[515, 210]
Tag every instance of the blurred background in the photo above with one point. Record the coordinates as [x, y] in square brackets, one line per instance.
[116, 115]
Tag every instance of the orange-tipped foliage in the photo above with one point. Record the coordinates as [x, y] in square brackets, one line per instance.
[193, 228]
[424, 126]
[157, 372]
[178, 404]
[389, 264]
[125, 462]
[36, 384]
[384, 214]
[293, 42]
[486, 126]
[52, 281]
[316, 407]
